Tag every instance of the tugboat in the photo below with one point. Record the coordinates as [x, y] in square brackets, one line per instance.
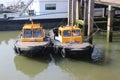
[32, 41]
[68, 41]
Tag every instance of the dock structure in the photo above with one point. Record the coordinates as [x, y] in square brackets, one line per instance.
[85, 10]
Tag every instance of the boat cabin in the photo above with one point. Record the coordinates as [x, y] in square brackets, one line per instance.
[68, 34]
[32, 33]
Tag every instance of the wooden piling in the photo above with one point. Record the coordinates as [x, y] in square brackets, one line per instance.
[71, 12]
[111, 13]
[104, 12]
[77, 10]
[85, 17]
[90, 19]
[81, 9]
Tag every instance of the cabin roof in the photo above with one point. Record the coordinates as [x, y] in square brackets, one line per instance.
[32, 26]
[69, 28]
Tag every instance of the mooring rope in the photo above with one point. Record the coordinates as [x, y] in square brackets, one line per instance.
[98, 29]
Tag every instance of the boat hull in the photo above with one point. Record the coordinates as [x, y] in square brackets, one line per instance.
[80, 52]
[32, 48]
[79, 49]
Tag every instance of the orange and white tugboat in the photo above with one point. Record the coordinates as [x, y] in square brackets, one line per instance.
[32, 41]
[68, 40]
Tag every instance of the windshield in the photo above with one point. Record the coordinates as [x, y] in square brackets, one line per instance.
[76, 32]
[66, 33]
[27, 33]
[37, 33]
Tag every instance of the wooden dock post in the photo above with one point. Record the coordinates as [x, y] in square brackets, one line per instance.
[110, 23]
[85, 17]
[77, 10]
[104, 12]
[81, 9]
[90, 19]
[71, 12]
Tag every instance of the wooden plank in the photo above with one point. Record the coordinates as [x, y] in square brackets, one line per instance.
[27, 44]
[114, 3]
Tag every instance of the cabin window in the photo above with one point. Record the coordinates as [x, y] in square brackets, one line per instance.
[66, 33]
[27, 33]
[76, 32]
[37, 33]
[50, 6]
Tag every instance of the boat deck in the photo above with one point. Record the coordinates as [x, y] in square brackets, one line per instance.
[76, 45]
[25, 44]
[73, 45]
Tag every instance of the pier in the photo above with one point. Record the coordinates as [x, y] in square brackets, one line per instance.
[83, 11]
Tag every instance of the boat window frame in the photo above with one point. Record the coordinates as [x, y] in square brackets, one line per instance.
[74, 33]
[40, 33]
[69, 32]
[25, 34]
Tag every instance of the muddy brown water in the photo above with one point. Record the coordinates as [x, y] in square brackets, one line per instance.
[14, 67]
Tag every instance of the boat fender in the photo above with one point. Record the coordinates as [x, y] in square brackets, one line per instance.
[63, 53]
[56, 49]
[19, 51]
[15, 49]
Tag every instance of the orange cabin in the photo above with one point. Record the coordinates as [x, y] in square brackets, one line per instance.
[32, 33]
[67, 34]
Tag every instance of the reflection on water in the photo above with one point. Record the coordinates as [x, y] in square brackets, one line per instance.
[30, 67]
[54, 72]
[41, 70]
[13, 67]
